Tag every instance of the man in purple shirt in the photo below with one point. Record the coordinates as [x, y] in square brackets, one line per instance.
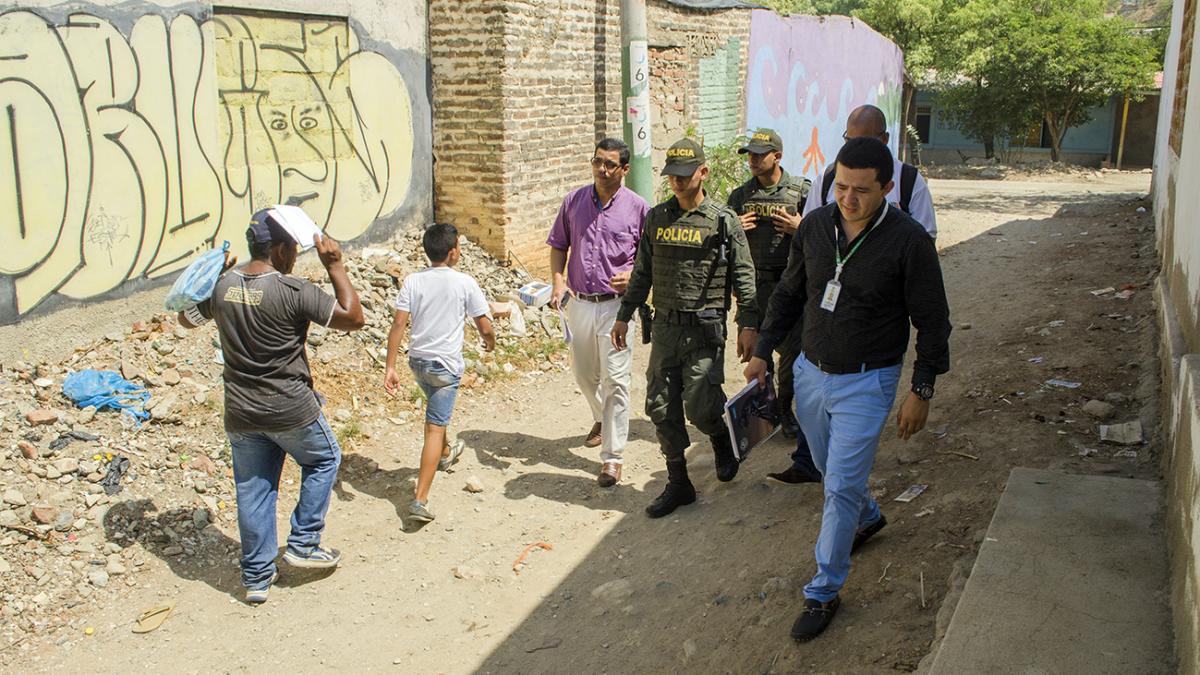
[599, 226]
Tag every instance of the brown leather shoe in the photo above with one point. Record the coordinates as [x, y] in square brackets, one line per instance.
[593, 437]
[609, 474]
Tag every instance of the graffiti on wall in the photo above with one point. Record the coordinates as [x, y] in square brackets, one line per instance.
[124, 154]
[805, 75]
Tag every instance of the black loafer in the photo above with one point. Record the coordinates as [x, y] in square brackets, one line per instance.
[867, 532]
[814, 618]
[793, 476]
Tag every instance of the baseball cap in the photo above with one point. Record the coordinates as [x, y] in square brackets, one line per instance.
[762, 140]
[282, 223]
[683, 158]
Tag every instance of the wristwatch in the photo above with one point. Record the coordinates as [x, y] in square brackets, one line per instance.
[923, 391]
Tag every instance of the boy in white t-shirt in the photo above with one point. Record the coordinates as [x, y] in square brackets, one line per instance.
[438, 298]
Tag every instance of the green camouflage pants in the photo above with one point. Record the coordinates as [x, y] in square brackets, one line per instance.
[788, 350]
[684, 378]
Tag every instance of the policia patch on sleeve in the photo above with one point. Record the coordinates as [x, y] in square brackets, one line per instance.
[679, 235]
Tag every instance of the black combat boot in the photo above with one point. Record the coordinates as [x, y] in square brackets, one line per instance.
[727, 464]
[679, 491]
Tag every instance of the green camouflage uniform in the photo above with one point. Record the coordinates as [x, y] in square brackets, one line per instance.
[679, 256]
[769, 249]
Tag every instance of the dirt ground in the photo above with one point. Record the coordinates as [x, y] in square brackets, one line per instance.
[715, 587]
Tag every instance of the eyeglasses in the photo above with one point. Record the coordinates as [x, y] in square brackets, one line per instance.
[878, 135]
[608, 164]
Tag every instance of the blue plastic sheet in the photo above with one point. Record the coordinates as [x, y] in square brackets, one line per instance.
[196, 282]
[106, 389]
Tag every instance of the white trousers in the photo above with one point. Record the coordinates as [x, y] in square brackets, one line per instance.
[601, 371]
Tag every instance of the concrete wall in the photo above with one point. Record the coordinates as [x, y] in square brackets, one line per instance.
[1087, 143]
[1140, 133]
[133, 135]
[1176, 204]
[525, 88]
[807, 73]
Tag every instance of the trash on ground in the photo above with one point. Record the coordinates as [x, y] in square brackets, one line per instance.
[1129, 433]
[1103, 291]
[535, 293]
[941, 431]
[1038, 359]
[1057, 323]
[106, 389]
[548, 643]
[152, 618]
[910, 494]
[1065, 384]
[1088, 452]
[1126, 454]
[1124, 295]
[112, 480]
[521, 558]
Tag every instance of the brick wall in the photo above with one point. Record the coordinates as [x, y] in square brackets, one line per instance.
[524, 88]
[466, 51]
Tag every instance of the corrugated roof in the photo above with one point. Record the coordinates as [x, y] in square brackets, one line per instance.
[716, 4]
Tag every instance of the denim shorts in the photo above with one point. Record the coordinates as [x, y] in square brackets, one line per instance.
[440, 387]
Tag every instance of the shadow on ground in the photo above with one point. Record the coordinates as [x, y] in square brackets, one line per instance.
[716, 586]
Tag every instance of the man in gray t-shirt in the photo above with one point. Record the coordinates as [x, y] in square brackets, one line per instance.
[262, 315]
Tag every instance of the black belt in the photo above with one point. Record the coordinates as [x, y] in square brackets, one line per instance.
[597, 297]
[839, 369]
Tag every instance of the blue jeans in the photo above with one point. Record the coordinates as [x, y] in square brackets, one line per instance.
[441, 389]
[842, 417]
[257, 463]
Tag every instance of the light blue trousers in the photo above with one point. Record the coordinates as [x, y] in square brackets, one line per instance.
[842, 417]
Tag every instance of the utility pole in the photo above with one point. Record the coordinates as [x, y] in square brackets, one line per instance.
[635, 93]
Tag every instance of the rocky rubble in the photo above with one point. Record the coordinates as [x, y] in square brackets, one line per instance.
[67, 543]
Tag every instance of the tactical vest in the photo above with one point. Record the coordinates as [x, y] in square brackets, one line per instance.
[688, 275]
[768, 246]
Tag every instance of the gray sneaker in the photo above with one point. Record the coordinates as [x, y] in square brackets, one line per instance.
[257, 596]
[318, 558]
[455, 451]
[417, 511]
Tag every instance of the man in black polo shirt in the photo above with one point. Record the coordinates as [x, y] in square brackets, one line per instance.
[859, 272]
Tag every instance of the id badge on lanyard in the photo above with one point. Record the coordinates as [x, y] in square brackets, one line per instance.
[833, 289]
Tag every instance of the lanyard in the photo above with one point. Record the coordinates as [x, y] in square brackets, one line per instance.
[839, 261]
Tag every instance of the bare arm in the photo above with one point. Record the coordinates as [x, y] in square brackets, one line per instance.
[484, 325]
[391, 380]
[347, 314]
[558, 265]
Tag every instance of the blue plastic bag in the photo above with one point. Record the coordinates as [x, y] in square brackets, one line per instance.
[106, 389]
[196, 282]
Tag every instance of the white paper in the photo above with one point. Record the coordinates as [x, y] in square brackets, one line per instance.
[298, 225]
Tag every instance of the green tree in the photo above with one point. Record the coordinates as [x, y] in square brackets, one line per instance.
[814, 7]
[917, 27]
[1048, 60]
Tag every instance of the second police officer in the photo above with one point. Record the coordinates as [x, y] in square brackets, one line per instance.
[770, 205]
[693, 252]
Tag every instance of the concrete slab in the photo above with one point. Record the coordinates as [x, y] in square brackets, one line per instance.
[1072, 578]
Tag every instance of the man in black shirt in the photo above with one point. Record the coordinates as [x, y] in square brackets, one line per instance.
[859, 272]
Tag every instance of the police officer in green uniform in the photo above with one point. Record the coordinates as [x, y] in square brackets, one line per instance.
[769, 205]
[692, 252]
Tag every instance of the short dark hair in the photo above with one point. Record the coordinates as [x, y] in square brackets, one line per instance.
[866, 152]
[438, 240]
[260, 250]
[610, 144]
